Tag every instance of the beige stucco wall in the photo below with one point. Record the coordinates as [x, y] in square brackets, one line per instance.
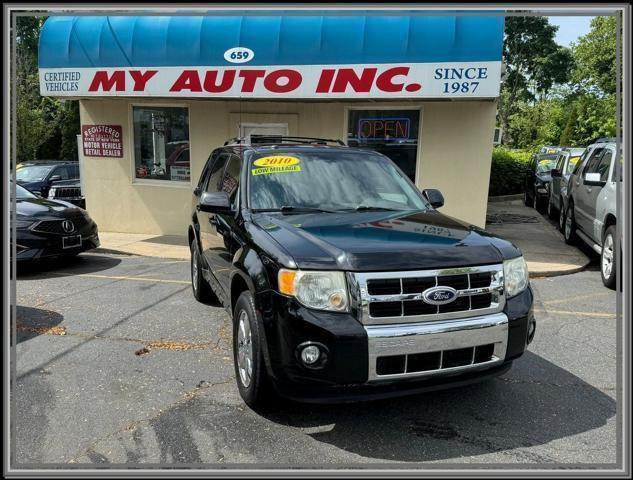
[454, 155]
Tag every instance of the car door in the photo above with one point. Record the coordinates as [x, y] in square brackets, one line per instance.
[225, 223]
[586, 195]
[212, 243]
[556, 181]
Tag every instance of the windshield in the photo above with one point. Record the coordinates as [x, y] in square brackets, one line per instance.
[33, 173]
[21, 192]
[546, 163]
[333, 180]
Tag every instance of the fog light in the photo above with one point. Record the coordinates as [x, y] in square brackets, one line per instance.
[310, 354]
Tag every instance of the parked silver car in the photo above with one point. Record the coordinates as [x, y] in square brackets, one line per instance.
[557, 187]
[591, 212]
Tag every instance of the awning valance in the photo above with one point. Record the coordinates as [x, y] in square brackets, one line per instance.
[74, 49]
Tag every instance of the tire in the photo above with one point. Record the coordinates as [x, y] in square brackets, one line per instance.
[609, 259]
[569, 231]
[526, 201]
[201, 289]
[561, 217]
[252, 380]
[552, 213]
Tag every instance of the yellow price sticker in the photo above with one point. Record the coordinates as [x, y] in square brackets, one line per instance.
[276, 164]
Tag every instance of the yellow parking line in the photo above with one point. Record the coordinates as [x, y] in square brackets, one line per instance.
[121, 277]
[578, 297]
[580, 314]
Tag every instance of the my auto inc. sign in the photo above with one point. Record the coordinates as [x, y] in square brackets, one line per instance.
[417, 80]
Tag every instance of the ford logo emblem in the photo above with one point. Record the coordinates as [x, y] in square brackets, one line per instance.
[439, 295]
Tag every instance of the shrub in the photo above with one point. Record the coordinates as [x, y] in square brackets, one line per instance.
[507, 171]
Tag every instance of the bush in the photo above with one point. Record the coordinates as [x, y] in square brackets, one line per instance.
[507, 171]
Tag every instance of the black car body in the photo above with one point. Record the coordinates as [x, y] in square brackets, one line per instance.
[49, 228]
[285, 273]
[537, 179]
[39, 177]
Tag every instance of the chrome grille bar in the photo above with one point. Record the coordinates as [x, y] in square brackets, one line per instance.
[359, 290]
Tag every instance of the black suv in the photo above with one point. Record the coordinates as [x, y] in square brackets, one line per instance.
[344, 281]
[39, 177]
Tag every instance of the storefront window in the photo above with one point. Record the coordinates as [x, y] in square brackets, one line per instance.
[393, 133]
[161, 143]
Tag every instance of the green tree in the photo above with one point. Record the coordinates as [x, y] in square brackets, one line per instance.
[45, 126]
[595, 56]
[534, 64]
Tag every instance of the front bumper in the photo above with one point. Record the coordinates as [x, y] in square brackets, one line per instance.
[31, 246]
[352, 350]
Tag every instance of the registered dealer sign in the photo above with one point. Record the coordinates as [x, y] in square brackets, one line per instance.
[102, 140]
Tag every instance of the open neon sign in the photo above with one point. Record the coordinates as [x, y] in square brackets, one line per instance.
[384, 128]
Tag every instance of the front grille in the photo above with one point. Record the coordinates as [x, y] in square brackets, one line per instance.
[429, 361]
[398, 296]
[67, 192]
[55, 226]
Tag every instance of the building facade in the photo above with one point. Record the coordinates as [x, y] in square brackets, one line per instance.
[157, 94]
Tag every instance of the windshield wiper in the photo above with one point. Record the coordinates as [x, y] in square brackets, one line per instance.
[290, 209]
[361, 208]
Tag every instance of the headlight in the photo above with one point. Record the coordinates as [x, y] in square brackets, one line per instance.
[51, 193]
[21, 224]
[320, 290]
[515, 275]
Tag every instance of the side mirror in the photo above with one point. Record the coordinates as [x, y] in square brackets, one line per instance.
[555, 173]
[593, 179]
[55, 178]
[215, 202]
[435, 197]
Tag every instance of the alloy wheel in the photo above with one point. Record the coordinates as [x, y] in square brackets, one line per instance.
[607, 256]
[194, 267]
[244, 349]
[568, 222]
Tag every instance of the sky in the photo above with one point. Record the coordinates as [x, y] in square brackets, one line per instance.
[570, 28]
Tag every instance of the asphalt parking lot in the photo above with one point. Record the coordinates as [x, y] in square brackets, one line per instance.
[117, 363]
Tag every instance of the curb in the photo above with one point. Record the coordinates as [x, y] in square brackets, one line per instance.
[113, 251]
[505, 198]
[558, 273]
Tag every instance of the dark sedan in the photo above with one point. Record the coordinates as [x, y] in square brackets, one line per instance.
[537, 179]
[51, 228]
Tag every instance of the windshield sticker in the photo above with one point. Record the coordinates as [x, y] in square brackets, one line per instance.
[276, 164]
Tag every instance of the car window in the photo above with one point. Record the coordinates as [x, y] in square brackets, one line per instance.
[561, 160]
[545, 165]
[604, 165]
[231, 178]
[63, 172]
[594, 160]
[571, 164]
[215, 173]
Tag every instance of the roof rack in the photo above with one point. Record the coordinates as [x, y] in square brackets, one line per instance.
[282, 139]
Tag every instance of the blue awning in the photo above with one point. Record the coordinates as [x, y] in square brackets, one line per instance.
[293, 39]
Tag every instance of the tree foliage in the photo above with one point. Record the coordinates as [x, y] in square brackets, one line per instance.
[46, 127]
[553, 95]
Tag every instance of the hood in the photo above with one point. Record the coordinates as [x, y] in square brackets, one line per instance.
[366, 241]
[41, 207]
